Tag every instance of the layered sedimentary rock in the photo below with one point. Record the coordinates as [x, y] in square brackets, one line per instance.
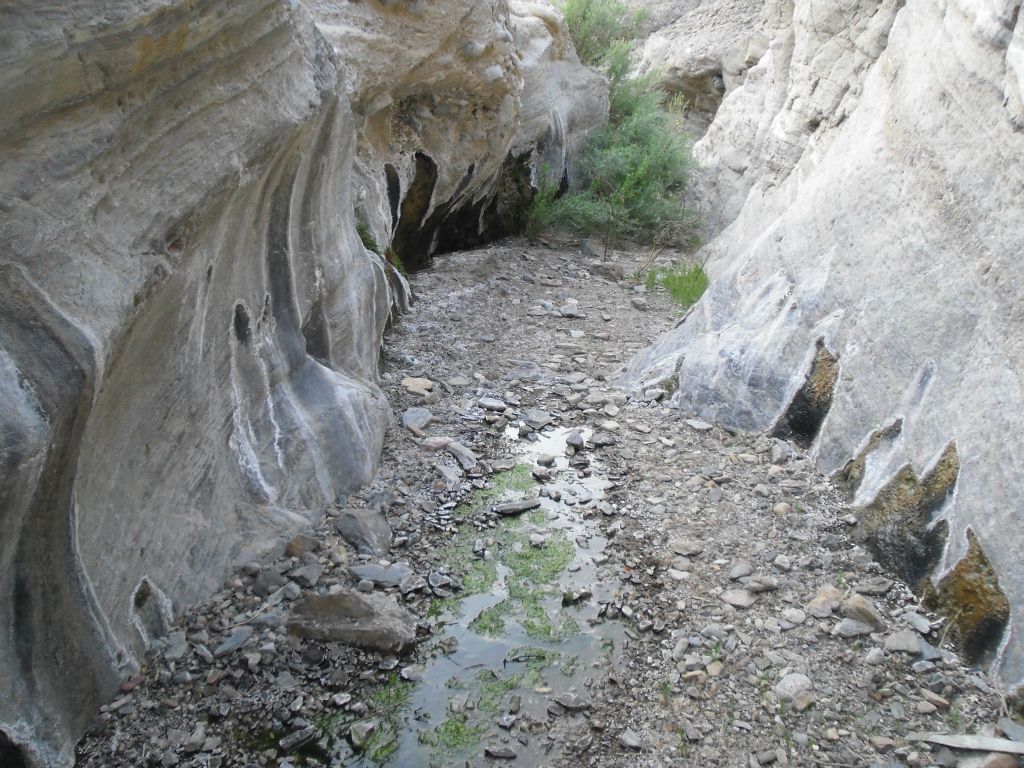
[190, 325]
[870, 171]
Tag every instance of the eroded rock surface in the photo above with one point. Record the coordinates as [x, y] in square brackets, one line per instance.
[190, 325]
[864, 184]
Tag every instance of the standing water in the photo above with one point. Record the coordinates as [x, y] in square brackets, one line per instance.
[523, 639]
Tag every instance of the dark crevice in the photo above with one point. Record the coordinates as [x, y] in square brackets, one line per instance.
[241, 324]
[315, 329]
[976, 605]
[394, 192]
[494, 216]
[411, 241]
[147, 609]
[807, 411]
[897, 526]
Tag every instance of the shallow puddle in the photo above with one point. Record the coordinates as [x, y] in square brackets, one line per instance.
[526, 631]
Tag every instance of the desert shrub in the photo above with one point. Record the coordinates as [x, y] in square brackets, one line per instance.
[685, 285]
[633, 171]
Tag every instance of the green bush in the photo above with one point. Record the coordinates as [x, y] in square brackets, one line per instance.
[594, 25]
[635, 170]
[685, 285]
[369, 241]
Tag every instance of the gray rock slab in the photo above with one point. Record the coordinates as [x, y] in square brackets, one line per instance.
[372, 622]
[364, 529]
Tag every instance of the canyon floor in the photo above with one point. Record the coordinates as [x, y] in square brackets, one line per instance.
[577, 576]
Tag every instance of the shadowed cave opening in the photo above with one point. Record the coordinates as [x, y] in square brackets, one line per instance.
[802, 420]
[500, 210]
[241, 324]
[11, 755]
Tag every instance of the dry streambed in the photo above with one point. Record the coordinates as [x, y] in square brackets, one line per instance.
[548, 571]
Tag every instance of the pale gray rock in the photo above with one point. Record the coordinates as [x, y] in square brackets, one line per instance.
[857, 203]
[792, 685]
[906, 641]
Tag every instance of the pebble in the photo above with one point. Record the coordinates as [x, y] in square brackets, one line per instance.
[237, 638]
[738, 598]
[791, 685]
[630, 739]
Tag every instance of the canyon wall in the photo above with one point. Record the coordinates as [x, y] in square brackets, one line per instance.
[190, 325]
[865, 183]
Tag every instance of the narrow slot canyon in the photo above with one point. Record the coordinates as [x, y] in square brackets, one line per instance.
[511, 382]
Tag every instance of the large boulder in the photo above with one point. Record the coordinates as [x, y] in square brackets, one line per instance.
[866, 293]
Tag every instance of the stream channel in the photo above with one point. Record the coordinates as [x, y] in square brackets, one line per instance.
[519, 643]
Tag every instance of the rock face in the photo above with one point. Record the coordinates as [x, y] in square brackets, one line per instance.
[189, 322]
[868, 180]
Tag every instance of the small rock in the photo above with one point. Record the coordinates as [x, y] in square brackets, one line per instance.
[863, 610]
[360, 732]
[738, 598]
[500, 752]
[918, 622]
[686, 547]
[237, 638]
[417, 386]
[416, 420]
[905, 641]
[630, 739]
[790, 686]
[511, 508]
[740, 570]
[851, 628]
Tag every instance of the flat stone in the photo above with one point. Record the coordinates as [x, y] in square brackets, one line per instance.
[825, 602]
[381, 576]
[308, 575]
[237, 638]
[794, 616]
[851, 628]
[499, 752]
[466, 458]
[738, 598]
[686, 547]
[360, 732]
[372, 622]
[536, 418]
[296, 739]
[492, 404]
[741, 569]
[417, 386]
[918, 622]
[417, 419]
[512, 508]
[699, 426]
[905, 641]
[365, 529]
[572, 702]
[876, 585]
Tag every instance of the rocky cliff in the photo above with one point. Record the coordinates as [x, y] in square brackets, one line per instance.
[864, 179]
[190, 325]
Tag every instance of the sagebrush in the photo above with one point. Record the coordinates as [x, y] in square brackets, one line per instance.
[635, 170]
